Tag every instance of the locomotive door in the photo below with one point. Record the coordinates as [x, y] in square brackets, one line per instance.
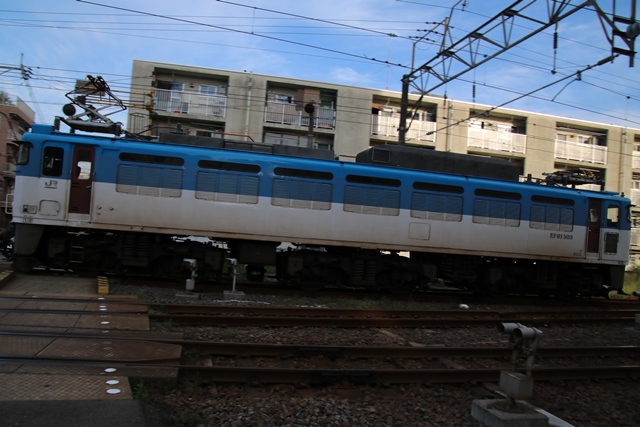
[81, 179]
[593, 227]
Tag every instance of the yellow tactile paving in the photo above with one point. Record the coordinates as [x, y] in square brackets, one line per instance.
[68, 382]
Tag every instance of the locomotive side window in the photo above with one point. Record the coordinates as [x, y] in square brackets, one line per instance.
[149, 181]
[300, 194]
[371, 200]
[387, 182]
[148, 158]
[498, 194]
[437, 207]
[440, 188]
[552, 200]
[551, 218]
[496, 212]
[229, 166]
[303, 173]
[227, 187]
[228, 182]
[298, 188]
[52, 161]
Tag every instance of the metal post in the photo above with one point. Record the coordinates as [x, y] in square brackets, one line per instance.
[310, 108]
[404, 106]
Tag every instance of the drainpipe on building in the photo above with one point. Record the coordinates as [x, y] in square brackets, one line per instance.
[150, 105]
[449, 112]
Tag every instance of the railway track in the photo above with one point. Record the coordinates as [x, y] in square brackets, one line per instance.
[352, 318]
[216, 315]
[322, 365]
[440, 295]
[348, 352]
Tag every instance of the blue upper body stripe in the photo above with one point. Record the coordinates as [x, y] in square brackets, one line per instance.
[108, 151]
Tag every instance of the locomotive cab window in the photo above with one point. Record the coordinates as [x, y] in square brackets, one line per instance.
[52, 161]
[613, 216]
[24, 149]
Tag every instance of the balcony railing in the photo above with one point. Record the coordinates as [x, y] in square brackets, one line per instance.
[388, 126]
[190, 103]
[287, 114]
[636, 160]
[580, 152]
[495, 140]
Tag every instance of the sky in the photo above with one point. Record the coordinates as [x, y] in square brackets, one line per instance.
[48, 45]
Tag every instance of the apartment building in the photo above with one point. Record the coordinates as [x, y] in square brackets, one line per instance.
[271, 110]
[16, 118]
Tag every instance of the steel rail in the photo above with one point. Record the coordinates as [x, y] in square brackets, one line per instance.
[213, 310]
[297, 350]
[355, 322]
[393, 376]
[256, 375]
[352, 312]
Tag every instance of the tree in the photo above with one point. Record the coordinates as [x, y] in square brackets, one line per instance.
[5, 99]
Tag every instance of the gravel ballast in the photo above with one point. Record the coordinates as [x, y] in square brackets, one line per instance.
[584, 403]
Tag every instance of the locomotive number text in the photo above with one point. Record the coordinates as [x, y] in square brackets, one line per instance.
[561, 236]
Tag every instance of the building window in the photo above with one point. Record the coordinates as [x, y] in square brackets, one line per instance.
[208, 90]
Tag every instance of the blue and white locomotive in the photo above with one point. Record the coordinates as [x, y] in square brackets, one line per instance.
[97, 203]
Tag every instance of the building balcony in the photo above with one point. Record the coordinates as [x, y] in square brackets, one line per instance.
[190, 103]
[9, 169]
[581, 152]
[288, 114]
[388, 126]
[497, 140]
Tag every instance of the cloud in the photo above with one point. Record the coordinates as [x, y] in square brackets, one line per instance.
[348, 76]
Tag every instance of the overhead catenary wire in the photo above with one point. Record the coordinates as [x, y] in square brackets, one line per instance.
[246, 33]
[530, 146]
[349, 59]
